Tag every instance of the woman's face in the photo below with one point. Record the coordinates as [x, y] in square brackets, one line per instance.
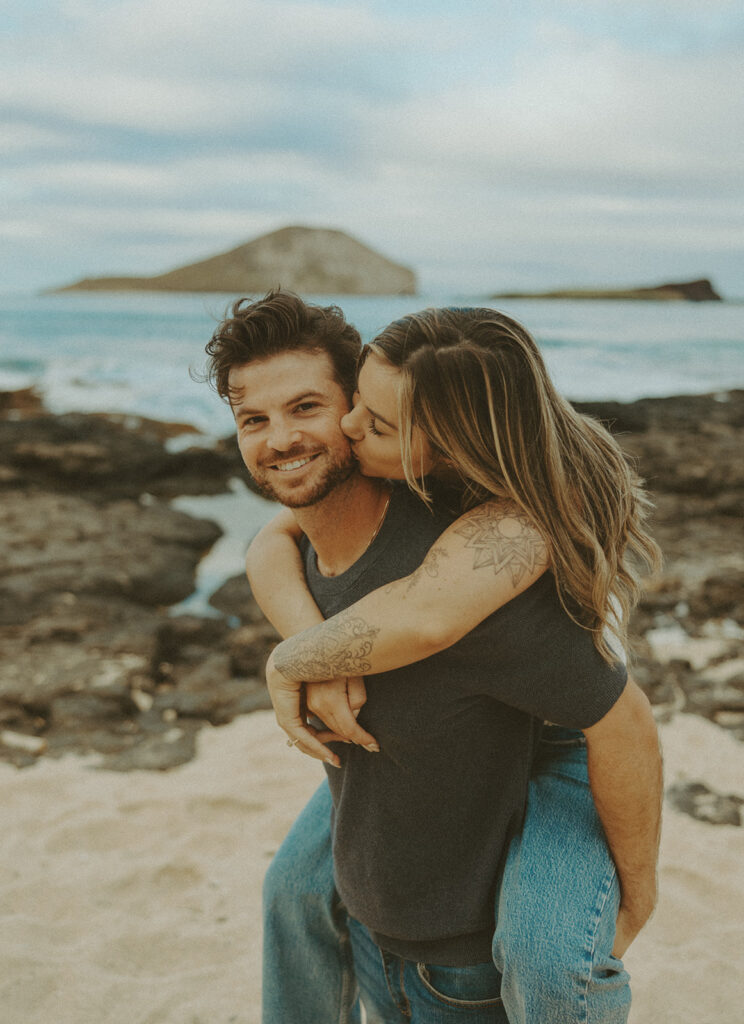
[372, 424]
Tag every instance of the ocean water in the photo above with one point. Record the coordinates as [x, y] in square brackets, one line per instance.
[134, 352]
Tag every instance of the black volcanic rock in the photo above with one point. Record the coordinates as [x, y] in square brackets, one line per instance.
[107, 457]
[704, 804]
[64, 544]
[236, 599]
[90, 659]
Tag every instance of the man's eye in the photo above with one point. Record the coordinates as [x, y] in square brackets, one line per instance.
[307, 406]
[253, 421]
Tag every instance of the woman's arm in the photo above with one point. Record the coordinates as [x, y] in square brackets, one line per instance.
[274, 554]
[487, 557]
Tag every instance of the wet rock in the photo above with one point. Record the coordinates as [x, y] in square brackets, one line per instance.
[686, 444]
[662, 684]
[108, 457]
[688, 414]
[63, 543]
[704, 804]
[186, 639]
[721, 595]
[90, 660]
[218, 703]
[33, 678]
[249, 648]
[235, 598]
[112, 701]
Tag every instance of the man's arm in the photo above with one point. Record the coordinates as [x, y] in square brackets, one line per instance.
[625, 775]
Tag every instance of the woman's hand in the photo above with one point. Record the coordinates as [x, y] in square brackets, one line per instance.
[337, 704]
[289, 707]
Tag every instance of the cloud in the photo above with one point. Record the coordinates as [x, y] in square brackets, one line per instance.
[169, 67]
[26, 139]
[446, 139]
[599, 113]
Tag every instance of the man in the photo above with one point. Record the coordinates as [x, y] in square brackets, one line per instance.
[285, 368]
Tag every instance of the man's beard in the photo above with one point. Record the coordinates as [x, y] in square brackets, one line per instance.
[337, 472]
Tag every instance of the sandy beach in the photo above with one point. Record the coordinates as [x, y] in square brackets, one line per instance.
[134, 898]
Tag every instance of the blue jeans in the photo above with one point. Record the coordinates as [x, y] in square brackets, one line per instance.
[308, 972]
[558, 901]
[554, 917]
[397, 991]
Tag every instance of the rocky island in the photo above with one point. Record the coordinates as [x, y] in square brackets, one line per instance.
[311, 261]
[701, 290]
[93, 661]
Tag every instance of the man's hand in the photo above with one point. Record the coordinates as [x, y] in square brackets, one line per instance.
[337, 704]
[629, 923]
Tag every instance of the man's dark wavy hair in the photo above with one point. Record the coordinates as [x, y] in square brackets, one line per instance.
[281, 322]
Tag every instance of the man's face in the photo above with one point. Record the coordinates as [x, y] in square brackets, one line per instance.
[287, 410]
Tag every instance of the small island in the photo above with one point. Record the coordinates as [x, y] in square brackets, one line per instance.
[314, 261]
[701, 290]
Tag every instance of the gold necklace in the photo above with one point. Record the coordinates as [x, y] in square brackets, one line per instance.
[380, 521]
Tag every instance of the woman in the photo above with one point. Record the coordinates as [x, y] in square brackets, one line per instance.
[464, 395]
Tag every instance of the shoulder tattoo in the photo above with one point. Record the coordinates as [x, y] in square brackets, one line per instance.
[504, 538]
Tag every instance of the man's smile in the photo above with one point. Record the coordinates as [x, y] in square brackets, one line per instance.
[293, 464]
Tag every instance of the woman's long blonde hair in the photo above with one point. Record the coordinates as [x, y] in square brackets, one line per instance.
[475, 383]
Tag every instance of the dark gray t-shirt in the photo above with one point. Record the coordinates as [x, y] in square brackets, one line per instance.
[421, 829]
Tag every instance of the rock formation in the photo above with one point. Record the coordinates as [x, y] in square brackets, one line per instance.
[310, 261]
[681, 291]
[91, 661]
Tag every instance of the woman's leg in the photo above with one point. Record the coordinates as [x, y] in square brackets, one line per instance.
[308, 974]
[558, 902]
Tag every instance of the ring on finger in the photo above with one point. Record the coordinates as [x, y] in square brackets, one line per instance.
[292, 743]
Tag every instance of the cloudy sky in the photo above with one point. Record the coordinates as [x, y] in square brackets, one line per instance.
[522, 143]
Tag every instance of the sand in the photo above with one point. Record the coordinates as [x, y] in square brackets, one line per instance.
[135, 898]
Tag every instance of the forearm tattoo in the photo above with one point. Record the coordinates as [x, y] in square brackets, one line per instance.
[504, 539]
[338, 647]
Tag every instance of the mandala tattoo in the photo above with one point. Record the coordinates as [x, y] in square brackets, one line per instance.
[338, 647]
[505, 539]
